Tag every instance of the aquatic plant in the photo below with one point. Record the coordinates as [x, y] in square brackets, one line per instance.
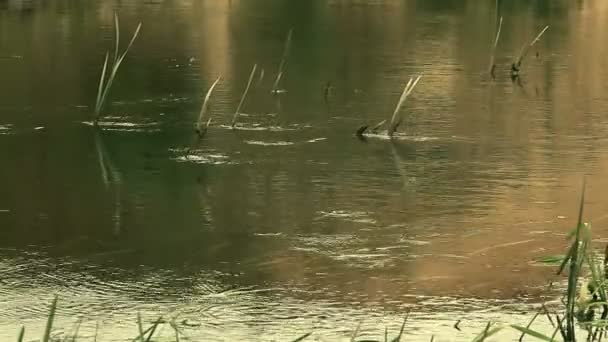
[106, 83]
[395, 120]
[201, 129]
[516, 66]
[238, 108]
[275, 86]
[492, 64]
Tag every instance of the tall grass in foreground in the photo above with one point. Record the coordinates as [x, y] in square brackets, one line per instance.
[105, 83]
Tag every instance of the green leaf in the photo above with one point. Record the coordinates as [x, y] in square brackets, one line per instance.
[532, 333]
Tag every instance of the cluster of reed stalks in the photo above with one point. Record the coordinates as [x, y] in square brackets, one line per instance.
[516, 65]
[105, 83]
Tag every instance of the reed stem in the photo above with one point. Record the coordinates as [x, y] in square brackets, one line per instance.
[238, 108]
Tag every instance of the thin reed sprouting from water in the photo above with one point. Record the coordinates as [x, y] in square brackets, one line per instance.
[275, 86]
[409, 87]
[106, 83]
[492, 56]
[200, 128]
[238, 108]
[516, 66]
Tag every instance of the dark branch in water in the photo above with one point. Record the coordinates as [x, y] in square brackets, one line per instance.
[361, 130]
[327, 91]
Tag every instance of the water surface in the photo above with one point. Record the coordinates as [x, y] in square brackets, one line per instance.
[290, 224]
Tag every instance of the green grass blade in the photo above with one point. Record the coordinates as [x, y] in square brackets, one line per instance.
[353, 336]
[116, 66]
[153, 329]
[398, 337]
[75, 334]
[238, 108]
[567, 258]
[302, 337]
[117, 32]
[49, 322]
[135, 34]
[205, 106]
[521, 338]
[487, 332]
[275, 86]
[533, 333]
[101, 86]
[140, 327]
[21, 334]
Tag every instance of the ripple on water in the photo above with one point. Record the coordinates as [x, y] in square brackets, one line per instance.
[210, 157]
[6, 129]
[125, 124]
[400, 136]
[268, 143]
[270, 128]
[352, 216]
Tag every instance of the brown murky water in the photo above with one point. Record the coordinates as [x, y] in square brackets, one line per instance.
[291, 224]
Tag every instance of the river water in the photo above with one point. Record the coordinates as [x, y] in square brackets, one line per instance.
[290, 224]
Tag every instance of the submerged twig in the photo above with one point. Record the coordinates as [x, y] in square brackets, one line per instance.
[238, 108]
[516, 66]
[492, 56]
[275, 86]
[200, 128]
[409, 87]
[105, 84]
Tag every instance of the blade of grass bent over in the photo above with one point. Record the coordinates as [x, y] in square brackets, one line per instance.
[205, 106]
[533, 333]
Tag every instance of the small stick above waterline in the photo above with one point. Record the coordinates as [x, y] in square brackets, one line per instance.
[238, 109]
[516, 66]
